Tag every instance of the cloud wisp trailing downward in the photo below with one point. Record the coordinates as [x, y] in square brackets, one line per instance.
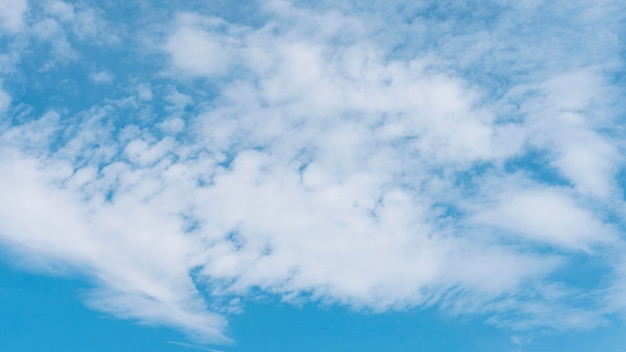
[308, 154]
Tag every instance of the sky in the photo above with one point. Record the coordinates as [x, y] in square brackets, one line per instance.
[312, 175]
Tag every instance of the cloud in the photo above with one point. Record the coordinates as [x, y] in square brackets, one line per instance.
[144, 91]
[5, 101]
[547, 215]
[134, 287]
[62, 10]
[85, 20]
[583, 156]
[196, 51]
[12, 15]
[49, 30]
[67, 26]
[307, 157]
[102, 77]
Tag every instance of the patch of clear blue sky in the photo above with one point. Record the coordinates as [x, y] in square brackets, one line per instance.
[40, 313]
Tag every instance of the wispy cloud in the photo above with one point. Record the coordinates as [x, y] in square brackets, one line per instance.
[192, 346]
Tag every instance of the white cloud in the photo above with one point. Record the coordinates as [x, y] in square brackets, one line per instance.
[136, 287]
[82, 21]
[64, 11]
[5, 100]
[548, 216]
[173, 125]
[90, 25]
[102, 77]
[12, 15]
[561, 120]
[196, 51]
[144, 92]
[50, 30]
[178, 101]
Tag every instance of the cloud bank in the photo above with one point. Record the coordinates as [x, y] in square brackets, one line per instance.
[380, 158]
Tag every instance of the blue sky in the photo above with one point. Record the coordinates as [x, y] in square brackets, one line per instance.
[293, 175]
